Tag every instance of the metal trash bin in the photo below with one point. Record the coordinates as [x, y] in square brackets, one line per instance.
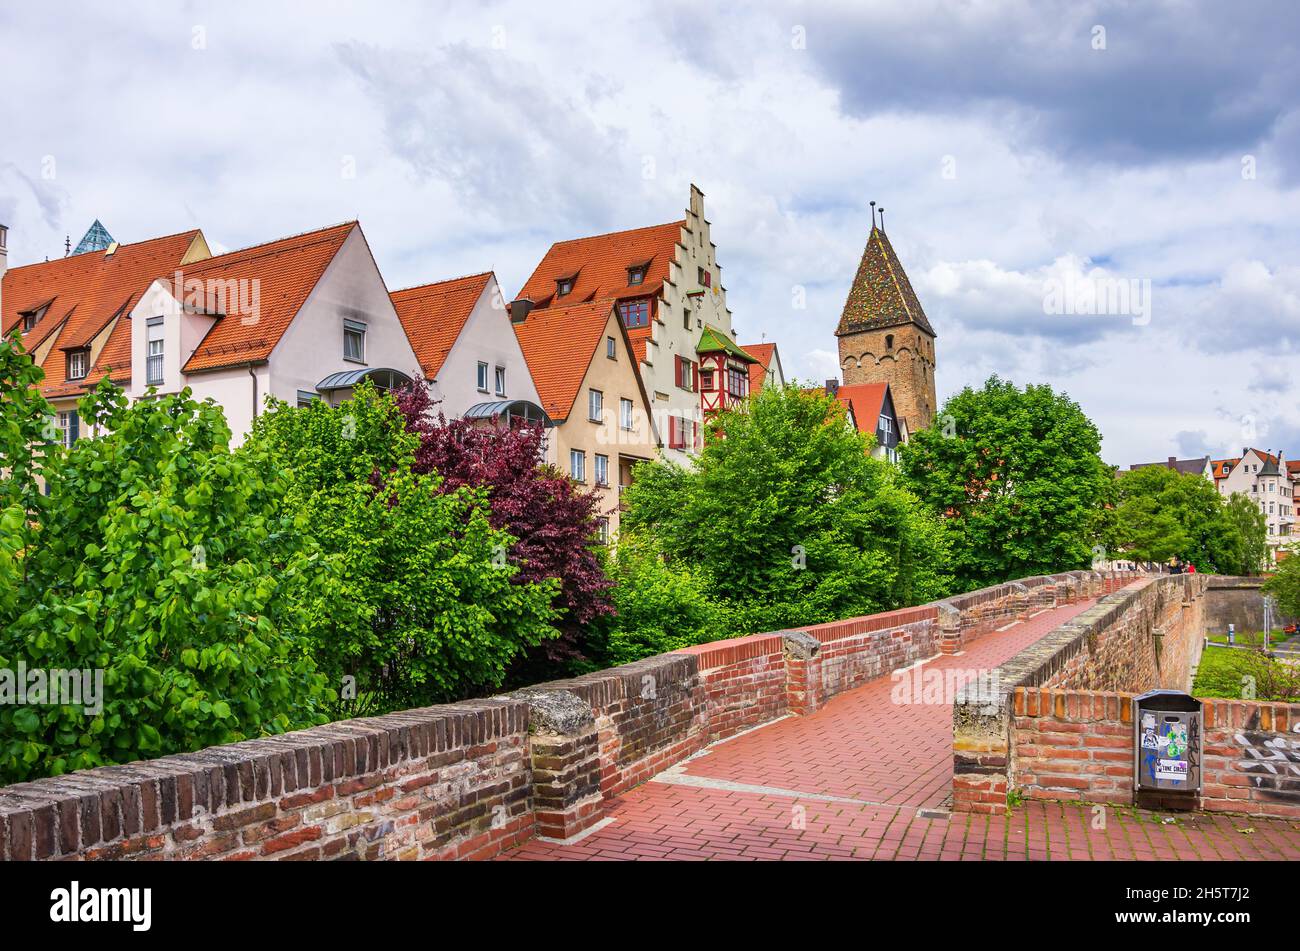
[1167, 750]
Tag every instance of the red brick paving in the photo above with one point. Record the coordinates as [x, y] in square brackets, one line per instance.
[898, 758]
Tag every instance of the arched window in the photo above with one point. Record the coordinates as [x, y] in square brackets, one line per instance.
[889, 341]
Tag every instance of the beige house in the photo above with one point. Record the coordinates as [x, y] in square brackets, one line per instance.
[666, 283]
[1265, 479]
[582, 363]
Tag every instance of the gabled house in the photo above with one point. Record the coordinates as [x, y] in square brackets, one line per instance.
[462, 335]
[666, 285]
[870, 407]
[73, 313]
[582, 360]
[1201, 467]
[301, 318]
[1265, 479]
[766, 369]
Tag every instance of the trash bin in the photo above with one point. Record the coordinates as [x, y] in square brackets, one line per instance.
[1167, 750]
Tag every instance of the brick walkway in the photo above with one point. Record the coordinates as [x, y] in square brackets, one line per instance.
[867, 778]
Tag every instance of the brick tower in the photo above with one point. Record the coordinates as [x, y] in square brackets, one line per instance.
[884, 335]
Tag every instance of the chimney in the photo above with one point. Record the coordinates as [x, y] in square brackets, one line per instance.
[832, 387]
[520, 309]
[1172, 463]
[4, 260]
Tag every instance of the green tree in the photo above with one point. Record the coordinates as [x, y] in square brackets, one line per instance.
[1284, 584]
[1162, 514]
[1017, 476]
[786, 519]
[422, 609]
[163, 562]
[659, 607]
[1250, 525]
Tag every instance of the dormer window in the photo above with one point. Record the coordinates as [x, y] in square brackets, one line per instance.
[78, 364]
[29, 320]
[636, 274]
[563, 286]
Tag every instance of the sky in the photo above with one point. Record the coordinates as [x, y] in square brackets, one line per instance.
[1032, 157]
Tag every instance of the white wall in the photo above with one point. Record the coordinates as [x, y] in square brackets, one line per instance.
[312, 347]
[488, 337]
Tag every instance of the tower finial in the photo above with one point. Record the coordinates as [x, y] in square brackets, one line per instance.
[873, 216]
[67, 245]
[882, 217]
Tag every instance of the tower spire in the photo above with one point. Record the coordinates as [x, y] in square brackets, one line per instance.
[873, 216]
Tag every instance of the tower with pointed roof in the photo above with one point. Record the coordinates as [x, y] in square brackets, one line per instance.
[884, 335]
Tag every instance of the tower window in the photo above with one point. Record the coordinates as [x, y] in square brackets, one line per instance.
[889, 341]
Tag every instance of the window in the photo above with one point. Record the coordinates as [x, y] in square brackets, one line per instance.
[563, 286]
[737, 383]
[686, 319]
[681, 433]
[685, 373]
[578, 465]
[595, 406]
[625, 414]
[30, 319]
[706, 380]
[602, 530]
[77, 361]
[706, 278]
[306, 398]
[602, 469]
[501, 381]
[153, 373]
[635, 313]
[611, 348]
[886, 424]
[889, 341]
[636, 275]
[354, 341]
[70, 427]
[482, 377]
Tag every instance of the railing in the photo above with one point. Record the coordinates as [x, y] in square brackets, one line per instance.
[154, 370]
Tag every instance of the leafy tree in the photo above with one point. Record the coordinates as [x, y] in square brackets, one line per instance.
[552, 520]
[423, 609]
[159, 559]
[1162, 514]
[1017, 477]
[1284, 584]
[660, 607]
[1249, 524]
[786, 519]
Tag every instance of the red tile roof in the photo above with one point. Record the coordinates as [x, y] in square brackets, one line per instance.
[84, 293]
[1217, 467]
[286, 270]
[433, 316]
[559, 344]
[762, 352]
[599, 268]
[866, 400]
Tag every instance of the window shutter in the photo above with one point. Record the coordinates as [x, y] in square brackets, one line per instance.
[674, 440]
[74, 427]
[695, 377]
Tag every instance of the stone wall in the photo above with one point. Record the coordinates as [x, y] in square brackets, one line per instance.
[1238, 601]
[469, 780]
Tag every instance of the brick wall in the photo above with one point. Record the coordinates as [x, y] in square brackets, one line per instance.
[1078, 744]
[469, 780]
[1238, 601]
[444, 782]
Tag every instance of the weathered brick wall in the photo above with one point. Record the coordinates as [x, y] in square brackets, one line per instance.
[443, 782]
[1078, 744]
[743, 680]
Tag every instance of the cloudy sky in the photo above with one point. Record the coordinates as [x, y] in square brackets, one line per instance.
[1021, 149]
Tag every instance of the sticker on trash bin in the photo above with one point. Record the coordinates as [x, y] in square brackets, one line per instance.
[1177, 741]
[1148, 721]
[1149, 740]
[1175, 769]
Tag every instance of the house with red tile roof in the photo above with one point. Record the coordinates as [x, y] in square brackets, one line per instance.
[1266, 479]
[583, 362]
[666, 285]
[871, 410]
[301, 318]
[73, 313]
[467, 348]
[766, 369]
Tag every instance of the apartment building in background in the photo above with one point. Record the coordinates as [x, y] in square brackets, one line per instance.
[1266, 479]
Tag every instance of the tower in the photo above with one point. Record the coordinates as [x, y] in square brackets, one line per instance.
[884, 335]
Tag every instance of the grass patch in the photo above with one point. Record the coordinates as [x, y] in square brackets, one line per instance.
[1225, 672]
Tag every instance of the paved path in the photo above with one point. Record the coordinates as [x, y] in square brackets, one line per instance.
[867, 778]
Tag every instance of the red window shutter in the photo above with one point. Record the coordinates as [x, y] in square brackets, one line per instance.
[672, 432]
[695, 377]
[677, 371]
